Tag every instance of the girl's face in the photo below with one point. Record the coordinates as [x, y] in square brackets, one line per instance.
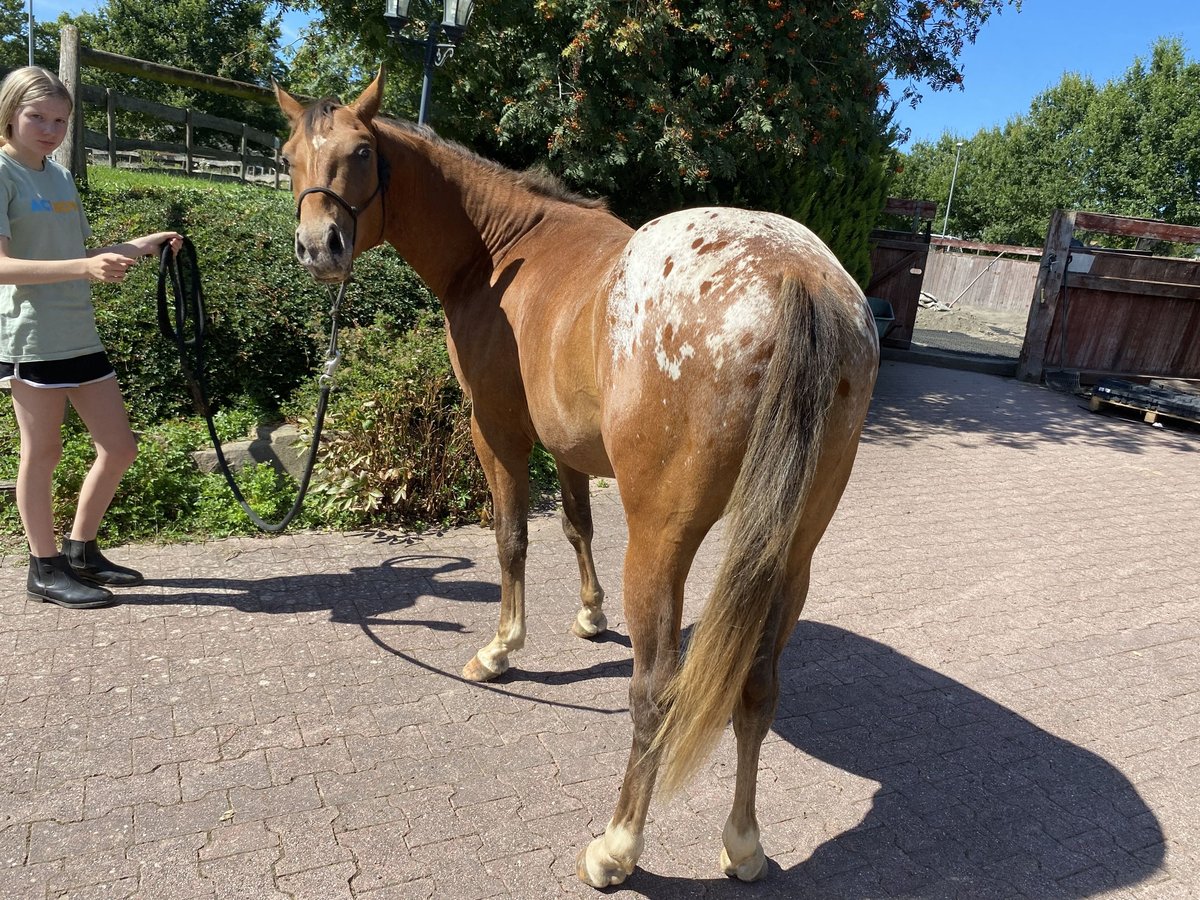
[37, 129]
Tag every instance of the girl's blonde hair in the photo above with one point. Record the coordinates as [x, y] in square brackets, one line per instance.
[27, 85]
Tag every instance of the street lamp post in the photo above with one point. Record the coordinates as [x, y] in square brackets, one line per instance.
[455, 16]
[953, 176]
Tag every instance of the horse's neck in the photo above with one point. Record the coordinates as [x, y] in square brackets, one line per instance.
[451, 217]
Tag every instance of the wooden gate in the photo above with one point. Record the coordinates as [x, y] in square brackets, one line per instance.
[898, 265]
[1098, 312]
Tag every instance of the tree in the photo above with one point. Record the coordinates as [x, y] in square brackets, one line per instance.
[659, 104]
[918, 41]
[1129, 147]
[771, 105]
[14, 38]
[235, 39]
[1143, 134]
[327, 66]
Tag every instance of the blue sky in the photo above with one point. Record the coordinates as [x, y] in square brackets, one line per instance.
[1019, 54]
[1016, 57]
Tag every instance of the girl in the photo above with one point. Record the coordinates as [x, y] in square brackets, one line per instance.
[50, 351]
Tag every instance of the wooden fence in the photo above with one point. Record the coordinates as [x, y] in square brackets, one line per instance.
[257, 156]
[989, 276]
[1099, 312]
[898, 265]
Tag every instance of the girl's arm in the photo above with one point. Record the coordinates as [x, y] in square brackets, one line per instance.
[144, 245]
[98, 265]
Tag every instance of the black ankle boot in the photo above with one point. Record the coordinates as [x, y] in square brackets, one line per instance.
[52, 581]
[90, 565]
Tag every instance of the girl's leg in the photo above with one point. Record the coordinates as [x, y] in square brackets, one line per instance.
[102, 409]
[39, 413]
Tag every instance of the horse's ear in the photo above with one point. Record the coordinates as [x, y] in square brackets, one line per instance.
[366, 107]
[292, 108]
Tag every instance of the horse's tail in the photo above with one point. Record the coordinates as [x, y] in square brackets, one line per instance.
[762, 517]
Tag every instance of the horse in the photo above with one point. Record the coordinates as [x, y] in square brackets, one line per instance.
[713, 362]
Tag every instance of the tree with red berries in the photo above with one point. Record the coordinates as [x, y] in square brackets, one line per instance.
[660, 104]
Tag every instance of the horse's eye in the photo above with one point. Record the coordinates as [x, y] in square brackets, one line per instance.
[363, 152]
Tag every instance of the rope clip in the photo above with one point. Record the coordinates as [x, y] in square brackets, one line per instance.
[331, 366]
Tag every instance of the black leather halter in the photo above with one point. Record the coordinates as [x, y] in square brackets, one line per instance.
[381, 180]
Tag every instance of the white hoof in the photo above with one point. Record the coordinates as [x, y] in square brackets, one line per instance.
[588, 624]
[597, 868]
[752, 868]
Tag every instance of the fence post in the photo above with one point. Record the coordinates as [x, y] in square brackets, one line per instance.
[277, 148]
[71, 152]
[188, 141]
[1046, 291]
[111, 103]
[243, 151]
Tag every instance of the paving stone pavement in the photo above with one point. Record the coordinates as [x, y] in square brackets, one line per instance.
[992, 694]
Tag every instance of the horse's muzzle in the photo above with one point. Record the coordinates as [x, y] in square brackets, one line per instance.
[324, 251]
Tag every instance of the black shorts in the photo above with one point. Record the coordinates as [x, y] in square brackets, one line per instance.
[58, 373]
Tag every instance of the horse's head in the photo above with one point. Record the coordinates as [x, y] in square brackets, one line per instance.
[337, 179]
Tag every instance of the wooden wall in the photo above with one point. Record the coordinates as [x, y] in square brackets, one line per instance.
[1107, 323]
[898, 264]
[1130, 315]
[991, 280]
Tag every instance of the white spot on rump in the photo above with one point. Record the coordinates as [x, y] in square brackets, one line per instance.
[718, 298]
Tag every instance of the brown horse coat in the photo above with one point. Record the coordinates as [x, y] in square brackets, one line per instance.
[715, 361]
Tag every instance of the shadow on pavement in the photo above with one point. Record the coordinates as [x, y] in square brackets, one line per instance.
[974, 801]
[1008, 412]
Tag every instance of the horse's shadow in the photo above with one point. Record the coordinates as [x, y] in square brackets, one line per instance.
[973, 800]
[365, 595]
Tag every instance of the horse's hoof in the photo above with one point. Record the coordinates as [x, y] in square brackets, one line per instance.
[752, 868]
[477, 671]
[596, 868]
[587, 626]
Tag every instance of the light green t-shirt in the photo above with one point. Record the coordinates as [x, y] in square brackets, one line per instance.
[42, 217]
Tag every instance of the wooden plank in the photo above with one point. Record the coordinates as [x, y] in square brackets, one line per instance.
[127, 65]
[110, 105]
[894, 244]
[1110, 284]
[879, 278]
[960, 244]
[1128, 226]
[1149, 416]
[923, 209]
[1046, 291]
[172, 114]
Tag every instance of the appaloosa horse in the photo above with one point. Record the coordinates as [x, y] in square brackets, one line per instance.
[714, 361]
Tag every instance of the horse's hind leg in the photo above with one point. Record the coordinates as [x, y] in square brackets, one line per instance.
[742, 854]
[577, 525]
[657, 560]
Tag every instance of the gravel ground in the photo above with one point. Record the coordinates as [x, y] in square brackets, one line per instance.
[970, 329]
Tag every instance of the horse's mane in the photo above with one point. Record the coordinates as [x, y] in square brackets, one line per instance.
[536, 181]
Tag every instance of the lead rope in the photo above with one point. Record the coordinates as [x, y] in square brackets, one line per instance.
[184, 274]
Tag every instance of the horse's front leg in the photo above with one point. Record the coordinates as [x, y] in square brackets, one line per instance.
[577, 525]
[508, 479]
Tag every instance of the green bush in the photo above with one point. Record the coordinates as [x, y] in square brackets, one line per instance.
[397, 442]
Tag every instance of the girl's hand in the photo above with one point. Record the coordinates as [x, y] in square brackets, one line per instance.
[148, 244]
[110, 267]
